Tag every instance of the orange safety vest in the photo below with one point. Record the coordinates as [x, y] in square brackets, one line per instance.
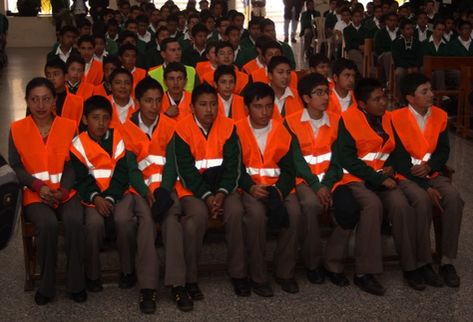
[334, 105]
[261, 75]
[100, 164]
[85, 90]
[100, 90]
[317, 150]
[150, 153]
[138, 75]
[73, 108]
[44, 161]
[207, 152]
[263, 168]
[369, 145]
[420, 145]
[241, 80]
[292, 104]
[95, 73]
[202, 68]
[238, 110]
[251, 66]
[116, 123]
[184, 105]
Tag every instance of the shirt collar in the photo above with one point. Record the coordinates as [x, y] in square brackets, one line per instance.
[173, 102]
[287, 92]
[417, 115]
[197, 50]
[324, 120]
[59, 51]
[129, 104]
[200, 126]
[431, 39]
[464, 43]
[143, 125]
[259, 62]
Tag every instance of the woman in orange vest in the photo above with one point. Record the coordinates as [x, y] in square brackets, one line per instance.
[39, 154]
[267, 179]
[422, 150]
[207, 158]
[229, 104]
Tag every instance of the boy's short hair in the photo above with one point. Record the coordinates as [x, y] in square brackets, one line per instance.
[230, 29]
[201, 89]
[86, 38]
[129, 22]
[173, 17]
[411, 82]
[257, 90]
[100, 36]
[462, 23]
[123, 48]
[66, 29]
[438, 22]
[145, 85]
[75, 59]
[111, 60]
[405, 22]
[175, 67]
[272, 44]
[261, 41]
[365, 87]
[317, 59]
[345, 9]
[308, 82]
[266, 22]
[224, 70]
[83, 23]
[120, 71]
[167, 41]
[341, 64]
[276, 61]
[57, 63]
[126, 34]
[112, 23]
[221, 45]
[210, 44]
[97, 102]
[142, 19]
[219, 21]
[254, 21]
[199, 28]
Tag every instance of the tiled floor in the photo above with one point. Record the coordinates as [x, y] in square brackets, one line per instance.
[323, 302]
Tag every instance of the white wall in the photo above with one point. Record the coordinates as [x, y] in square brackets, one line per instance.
[31, 32]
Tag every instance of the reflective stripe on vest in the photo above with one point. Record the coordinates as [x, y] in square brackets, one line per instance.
[424, 159]
[264, 172]
[154, 178]
[317, 159]
[372, 156]
[45, 176]
[208, 163]
[151, 159]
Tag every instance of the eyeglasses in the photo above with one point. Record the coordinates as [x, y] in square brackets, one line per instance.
[320, 92]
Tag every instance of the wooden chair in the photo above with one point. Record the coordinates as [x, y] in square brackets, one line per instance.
[320, 37]
[367, 57]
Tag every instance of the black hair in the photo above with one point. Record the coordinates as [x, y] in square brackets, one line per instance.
[255, 21]
[341, 64]
[129, 21]
[75, 59]
[230, 29]
[97, 102]
[100, 36]
[111, 60]
[83, 23]
[224, 70]
[120, 71]
[145, 85]
[238, 14]
[173, 17]
[122, 3]
[276, 61]
[39, 82]
[261, 41]
[410, 82]
[199, 28]
[126, 47]
[438, 22]
[220, 20]
[56, 62]
[142, 19]
[175, 67]
[210, 44]
[192, 16]
[68, 29]
[201, 89]
[308, 82]
[463, 23]
[86, 38]
[223, 44]
[165, 42]
[112, 23]
[317, 59]
[126, 34]
[405, 22]
[257, 90]
[365, 87]
[266, 22]
[270, 45]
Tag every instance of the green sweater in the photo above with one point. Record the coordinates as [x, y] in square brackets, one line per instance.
[455, 48]
[371, 28]
[430, 50]
[354, 38]
[153, 57]
[191, 57]
[407, 57]
[193, 180]
[248, 44]
[287, 51]
[244, 55]
[306, 20]
[382, 42]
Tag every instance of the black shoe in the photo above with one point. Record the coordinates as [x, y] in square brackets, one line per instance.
[338, 279]
[370, 284]
[241, 286]
[430, 276]
[94, 285]
[182, 298]
[127, 280]
[262, 289]
[293, 40]
[316, 276]
[40, 299]
[449, 274]
[147, 301]
[79, 297]
[288, 285]
[194, 291]
[286, 39]
[415, 280]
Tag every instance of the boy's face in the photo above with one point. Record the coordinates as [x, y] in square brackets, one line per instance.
[181, 22]
[173, 52]
[203, 5]
[112, 31]
[422, 20]
[87, 50]
[118, 18]
[200, 39]
[225, 56]
[223, 26]
[163, 34]
[211, 56]
[234, 38]
[133, 27]
[226, 85]
[135, 13]
[210, 24]
[121, 86]
[403, 12]
[378, 12]
[175, 81]
[75, 72]
[438, 30]
[423, 97]
[261, 111]
[318, 98]
[172, 26]
[465, 31]
[142, 28]
[357, 18]
[376, 103]
[154, 17]
[270, 53]
[333, 5]
[449, 25]
[192, 22]
[309, 5]
[269, 31]
[68, 39]
[150, 104]
[97, 122]
[85, 30]
[130, 40]
[205, 109]
[346, 16]
[56, 76]
[408, 31]
[429, 7]
[322, 68]
[281, 76]
[238, 22]
[346, 79]
[41, 103]
[392, 22]
[125, 10]
[107, 71]
[128, 59]
[99, 46]
[255, 31]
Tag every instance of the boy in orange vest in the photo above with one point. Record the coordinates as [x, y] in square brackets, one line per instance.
[75, 81]
[267, 179]
[421, 154]
[127, 54]
[176, 101]
[93, 73]
[207, 158]
[229, 104]
[123, 105]
[319, 63]
[103, 176]
[341, 97]
[110, 63]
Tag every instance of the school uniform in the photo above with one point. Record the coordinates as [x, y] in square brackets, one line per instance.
[183, 105]
[185, 41]
[39, 162]
[354, 38]
[153, 56]
[102, 90]
[383, 41]
[192, 79]
[233, 108]
[242, 56]
[191, 56]
[121, 113]
[82, 89]
[70, 106]
[102, 169]
[461, 48]
[261, 75]
[57, 53]
[330, 19]
[240, 83]
[339, 105]
[252, 65]
[432, 49]
[202, 68]
[287, 104]
[406, 54]
[93, 72]
[138, 75]
[288, 53]
[372, 26]
[208, 163]
[422, 35]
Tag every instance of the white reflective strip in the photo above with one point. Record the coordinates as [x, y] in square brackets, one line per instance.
[45, 176]
[208, 163]
[375, 156]
[345, 171]
[265, 172]
[316, 159]
[157, 177]
[101, 173]
[119, 150]
[321, 176]
[55, 178]
[151, 159]
[419, 161]
[77, 144]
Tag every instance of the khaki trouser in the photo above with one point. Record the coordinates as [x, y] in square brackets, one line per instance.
[285, 256]
[357, 57]
[135, 240]
[46, 224]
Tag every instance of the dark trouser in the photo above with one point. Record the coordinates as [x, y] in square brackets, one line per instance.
[292, 11]
[46, 223]
[285, 256]
[309, 232]
[385, 61]
[135, 240]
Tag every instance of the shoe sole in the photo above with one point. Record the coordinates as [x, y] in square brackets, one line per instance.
[345, 284]
[370, 291]
[263, 294]
[185, 308]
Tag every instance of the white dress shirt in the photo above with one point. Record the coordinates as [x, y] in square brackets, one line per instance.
[345, 101]
[147, 130]
[315, 124]
[261, 135]
[123, 110]
[282, 100]
[420, 119]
